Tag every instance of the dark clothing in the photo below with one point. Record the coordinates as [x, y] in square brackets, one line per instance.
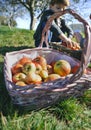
[65, 29]
[82, 42]
[55, 29]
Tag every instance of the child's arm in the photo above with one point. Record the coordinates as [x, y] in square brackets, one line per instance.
[66, 28]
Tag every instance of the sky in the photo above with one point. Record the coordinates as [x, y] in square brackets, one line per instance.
[83, 9]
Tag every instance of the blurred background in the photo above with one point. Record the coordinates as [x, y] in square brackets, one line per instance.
[26, 13]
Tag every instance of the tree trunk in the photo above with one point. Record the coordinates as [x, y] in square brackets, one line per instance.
[32, 20]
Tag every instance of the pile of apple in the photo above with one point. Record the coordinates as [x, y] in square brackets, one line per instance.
[35, 71]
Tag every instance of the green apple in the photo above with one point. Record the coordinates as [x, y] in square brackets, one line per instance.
[29, 67]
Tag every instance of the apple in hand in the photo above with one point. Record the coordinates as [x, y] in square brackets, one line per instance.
[28, 67]
[18, 77]
[52, 77]
[62, 67]
[16, 68]
[33, 78]
[44, 74]
[21, 83]
[42, 61]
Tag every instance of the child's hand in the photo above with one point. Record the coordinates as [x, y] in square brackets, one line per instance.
[71, 44]
[75, 46]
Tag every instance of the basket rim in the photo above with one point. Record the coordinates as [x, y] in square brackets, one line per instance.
[15, 87]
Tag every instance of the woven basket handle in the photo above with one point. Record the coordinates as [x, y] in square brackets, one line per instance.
[87, 47]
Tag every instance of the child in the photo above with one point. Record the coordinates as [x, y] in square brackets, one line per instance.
[64, 28]
[55, 6]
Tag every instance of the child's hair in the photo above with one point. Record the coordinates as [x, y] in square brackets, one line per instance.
[64, 2]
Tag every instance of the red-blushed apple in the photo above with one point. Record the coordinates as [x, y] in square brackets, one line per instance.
[28, 67]
[33, 78]
[50, 69]
[24, 60]
[52, 63]
[44, 74]
[42, 61]
[18, 77]
[62, 67]
[16, 68]
[52, 77]
[21, 83]
[75, 68]
[38, 68]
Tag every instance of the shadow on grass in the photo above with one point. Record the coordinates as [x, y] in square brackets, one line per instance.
[6, 106]
[5, 49]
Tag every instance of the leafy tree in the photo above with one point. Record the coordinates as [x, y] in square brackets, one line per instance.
[34, 7]
[4, 21]
[10, 11]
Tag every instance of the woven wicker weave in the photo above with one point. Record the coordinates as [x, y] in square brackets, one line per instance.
[46, 94]
[73, 53]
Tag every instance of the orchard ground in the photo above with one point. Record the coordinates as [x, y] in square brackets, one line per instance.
[69, 114]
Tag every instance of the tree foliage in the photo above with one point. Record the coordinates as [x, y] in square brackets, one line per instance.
[14, 8]
[4, 21]
[10, 11]
[34, 7]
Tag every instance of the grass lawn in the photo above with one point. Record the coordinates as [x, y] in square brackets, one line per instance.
[70, 114]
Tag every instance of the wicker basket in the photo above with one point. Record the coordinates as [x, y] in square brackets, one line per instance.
[48, 93]
[73, 53]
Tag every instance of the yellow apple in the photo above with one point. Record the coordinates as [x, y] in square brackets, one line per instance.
[21, 83]
[18, 77]
[38, 79]
[44, 74]
[33, 78]
[62, 67]
[28, 67]
[52, 77]
[42, 61]
[38, 68]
